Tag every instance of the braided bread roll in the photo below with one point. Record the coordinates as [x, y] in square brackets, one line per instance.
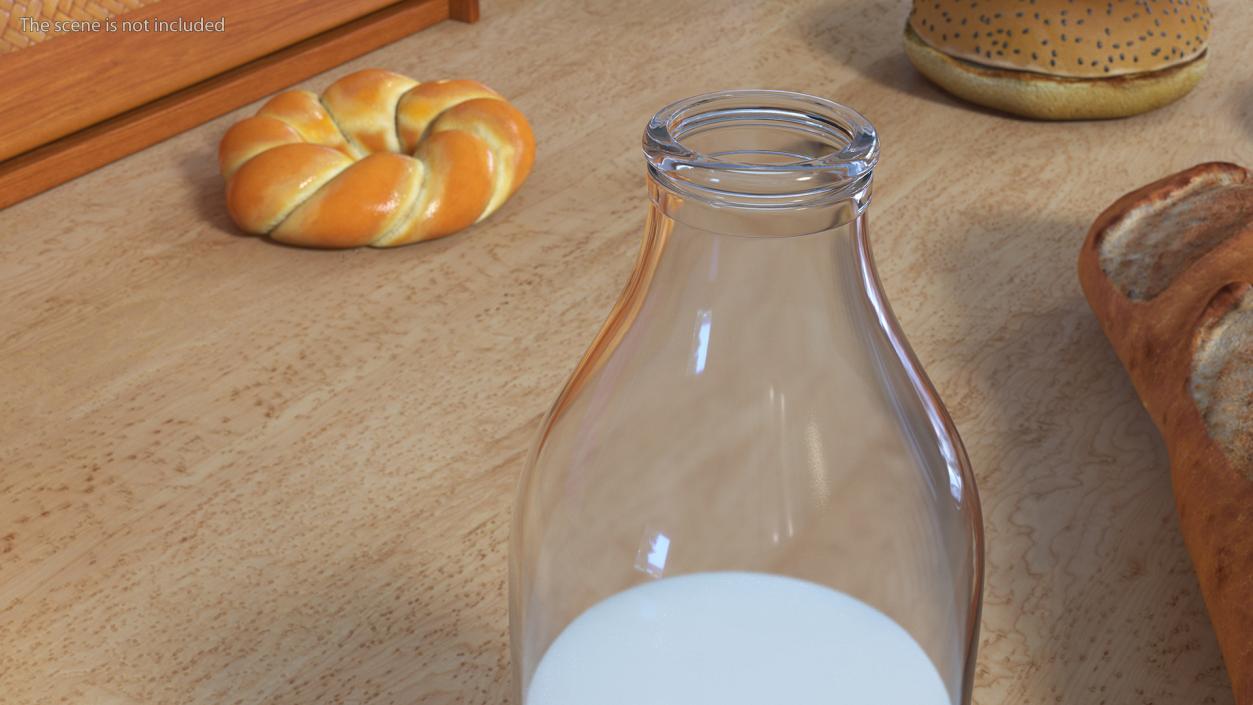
[378, 160]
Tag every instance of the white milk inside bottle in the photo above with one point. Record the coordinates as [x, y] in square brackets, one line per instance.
[731, 638]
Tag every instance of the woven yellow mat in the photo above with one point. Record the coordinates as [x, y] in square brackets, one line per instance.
[16, 35]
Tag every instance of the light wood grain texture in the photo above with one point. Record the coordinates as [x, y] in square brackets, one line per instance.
[90, 148]
[57, 87]
[234, 471]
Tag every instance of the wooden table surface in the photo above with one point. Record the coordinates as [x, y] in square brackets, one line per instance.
[235, 472]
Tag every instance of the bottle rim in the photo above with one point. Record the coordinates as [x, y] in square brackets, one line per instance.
[840, 150]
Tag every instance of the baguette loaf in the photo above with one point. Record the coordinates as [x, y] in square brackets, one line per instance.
[1167, 270]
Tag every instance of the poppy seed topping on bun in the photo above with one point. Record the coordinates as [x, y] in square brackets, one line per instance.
[1061, 59]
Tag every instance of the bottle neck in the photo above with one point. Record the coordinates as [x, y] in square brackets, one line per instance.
[711, 214]
[755, 238]
[793, 295]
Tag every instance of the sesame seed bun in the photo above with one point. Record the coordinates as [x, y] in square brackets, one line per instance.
[1061, 59]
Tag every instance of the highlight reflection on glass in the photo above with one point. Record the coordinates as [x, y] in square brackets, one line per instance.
[702, 342]
[651, 558]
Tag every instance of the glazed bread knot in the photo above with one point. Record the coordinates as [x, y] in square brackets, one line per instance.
[379, 159]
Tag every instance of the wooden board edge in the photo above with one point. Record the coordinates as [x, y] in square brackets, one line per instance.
[74, 81]
[42, 168]
[464, 10]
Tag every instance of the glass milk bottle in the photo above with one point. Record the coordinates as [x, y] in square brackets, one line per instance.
[748, 491]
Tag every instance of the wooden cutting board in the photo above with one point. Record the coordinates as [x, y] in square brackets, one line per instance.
[124, 74]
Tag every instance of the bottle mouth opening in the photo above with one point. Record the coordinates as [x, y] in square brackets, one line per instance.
[757, 149]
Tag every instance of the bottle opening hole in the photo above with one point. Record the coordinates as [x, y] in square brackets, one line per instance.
[760, 137]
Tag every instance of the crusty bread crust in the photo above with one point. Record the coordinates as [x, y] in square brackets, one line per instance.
[1148, 247]
[1181, 347]
[1044, 97]
[1222, 374]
